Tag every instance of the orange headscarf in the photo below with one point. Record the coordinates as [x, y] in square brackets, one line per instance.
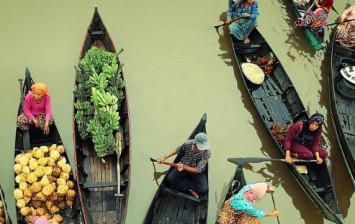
[42, 88]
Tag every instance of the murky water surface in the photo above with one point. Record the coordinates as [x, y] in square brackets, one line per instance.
[177, 68]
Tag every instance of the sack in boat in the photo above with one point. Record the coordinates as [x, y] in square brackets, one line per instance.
[253, 73]
[228, 215]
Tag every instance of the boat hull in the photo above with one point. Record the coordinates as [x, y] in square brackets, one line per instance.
[170, 206]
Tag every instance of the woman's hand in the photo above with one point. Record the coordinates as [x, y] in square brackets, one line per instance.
[288, 159]
[36, 123]
[245, 15]
[319, 160]
[46, 128]
[228, 20]
[270, 189]
[180, 167]
[162, 159]
[275, 213]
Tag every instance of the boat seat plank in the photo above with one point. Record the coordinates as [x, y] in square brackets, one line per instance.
[262, 110]
[258, 92]
[99, 184]
[277, 109]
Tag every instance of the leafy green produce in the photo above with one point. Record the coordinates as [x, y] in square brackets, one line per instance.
[98, 95]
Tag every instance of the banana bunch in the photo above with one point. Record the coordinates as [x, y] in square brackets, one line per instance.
[82, 105]
[102, 137]
[109, 70]
[103, 99]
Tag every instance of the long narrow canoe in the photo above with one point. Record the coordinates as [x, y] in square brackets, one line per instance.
[236, 183]
[25, 142]
[277, 102]
[103, 182]
[4, 217]
[170, 206]
[316, 41]
[342, 98]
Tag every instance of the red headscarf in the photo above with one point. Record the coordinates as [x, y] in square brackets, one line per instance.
[40, 87]
[327, 4]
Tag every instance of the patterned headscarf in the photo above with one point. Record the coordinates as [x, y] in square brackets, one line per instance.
[306, 136]
[42, 88]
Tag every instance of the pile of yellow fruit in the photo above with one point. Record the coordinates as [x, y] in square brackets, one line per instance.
[2, 213]
[44, 187]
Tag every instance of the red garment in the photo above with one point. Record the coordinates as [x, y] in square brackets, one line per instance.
[303, 151]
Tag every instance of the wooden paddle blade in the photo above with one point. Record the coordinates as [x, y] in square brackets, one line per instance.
[236, 161]
[152, 160]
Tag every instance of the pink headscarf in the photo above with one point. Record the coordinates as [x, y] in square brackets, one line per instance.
[39, 220]
[257, 191]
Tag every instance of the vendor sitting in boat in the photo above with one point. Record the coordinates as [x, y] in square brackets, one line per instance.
[247, 11]
[36, 109]
[316, 20]
[346, 30]
[240, 207]
[190, 175]
[303, 140]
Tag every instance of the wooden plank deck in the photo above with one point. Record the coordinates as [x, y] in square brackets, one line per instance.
[101, 183]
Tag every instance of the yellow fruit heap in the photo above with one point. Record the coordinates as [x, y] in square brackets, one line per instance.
[44, 187]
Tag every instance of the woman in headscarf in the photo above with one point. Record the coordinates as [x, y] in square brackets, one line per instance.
[316, 20]
[346, 30]
[240, 209]
[36, 109]
[248, 11]
[303, 140]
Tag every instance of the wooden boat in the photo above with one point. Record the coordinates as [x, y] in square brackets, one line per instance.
[316, 41]
[342, 98]
[103, 182]
[277, 102]
[34, 137]
[4, 217]
[170, 206]
[236, 183]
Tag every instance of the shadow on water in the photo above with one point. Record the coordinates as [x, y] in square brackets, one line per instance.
[158, 175]
[275, 173]
[296, 37]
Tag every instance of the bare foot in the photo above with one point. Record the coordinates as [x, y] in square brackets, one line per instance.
[194, 193]
[247, 40]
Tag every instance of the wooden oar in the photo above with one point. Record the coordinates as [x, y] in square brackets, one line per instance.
[217, 26]
[241, 160]
[339, 23]
[273, 201]
[118, 154]
[164, 162]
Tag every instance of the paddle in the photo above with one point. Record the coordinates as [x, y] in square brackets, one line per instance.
[273, 201]
[217, 26]
[21, 92]
[118, 154]
[164, 162]
[242, 160]
[339, 23]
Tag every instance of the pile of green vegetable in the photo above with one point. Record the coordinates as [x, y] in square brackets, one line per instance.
[98, 96]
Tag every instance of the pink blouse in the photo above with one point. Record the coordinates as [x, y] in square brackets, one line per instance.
[32, 108]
